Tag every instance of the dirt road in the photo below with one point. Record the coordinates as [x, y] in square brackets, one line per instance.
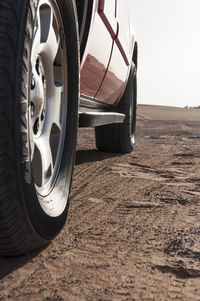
[133, 230]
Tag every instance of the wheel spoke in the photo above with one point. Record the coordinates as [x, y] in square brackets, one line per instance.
[46, 40]
[50, 40]
[36, 48]
[58, 106]
[44, 148]
[55, 106]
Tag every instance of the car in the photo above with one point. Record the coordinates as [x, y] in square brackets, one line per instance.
[63, 64]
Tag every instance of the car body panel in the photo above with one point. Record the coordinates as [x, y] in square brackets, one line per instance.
[107, 12]
[116, 76]
[95, 61]
[108, 55]
[123, 37]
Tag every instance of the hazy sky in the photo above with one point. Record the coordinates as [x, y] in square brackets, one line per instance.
[168, 34]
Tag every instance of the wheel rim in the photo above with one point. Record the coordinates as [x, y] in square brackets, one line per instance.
[48, 96]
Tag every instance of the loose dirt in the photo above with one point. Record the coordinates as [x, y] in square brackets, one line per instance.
[133, 229]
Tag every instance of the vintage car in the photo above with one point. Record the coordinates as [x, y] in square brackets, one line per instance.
[63, 64]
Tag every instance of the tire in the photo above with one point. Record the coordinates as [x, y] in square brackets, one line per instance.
[39, 93]
[120, 138]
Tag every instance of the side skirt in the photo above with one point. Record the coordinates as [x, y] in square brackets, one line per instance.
[94, 113]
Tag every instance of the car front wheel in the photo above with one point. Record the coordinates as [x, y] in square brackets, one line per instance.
[39, 91]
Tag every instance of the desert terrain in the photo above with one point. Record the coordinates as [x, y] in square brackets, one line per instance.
[133, 228]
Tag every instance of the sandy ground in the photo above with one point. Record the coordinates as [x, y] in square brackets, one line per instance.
[133, 230]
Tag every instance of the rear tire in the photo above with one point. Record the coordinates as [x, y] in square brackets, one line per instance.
[120, 138]
[39, 92]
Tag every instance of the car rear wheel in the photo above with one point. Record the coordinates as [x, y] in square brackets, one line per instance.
[39, 91]
[120, 138]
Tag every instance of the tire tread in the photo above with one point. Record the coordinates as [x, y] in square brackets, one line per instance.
[15, 236]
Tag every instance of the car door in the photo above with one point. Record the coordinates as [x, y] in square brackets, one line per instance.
[97, 54]
[115, 80]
